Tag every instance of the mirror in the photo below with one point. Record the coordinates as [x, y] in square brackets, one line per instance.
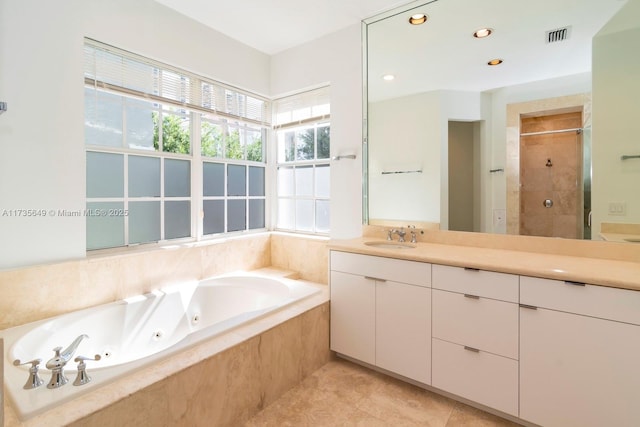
[453, 141]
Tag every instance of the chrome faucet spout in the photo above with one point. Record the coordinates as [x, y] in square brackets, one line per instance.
[57, 363]
[67, 353]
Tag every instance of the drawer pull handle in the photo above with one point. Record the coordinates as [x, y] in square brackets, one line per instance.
[475, 350]
[530, 307]
[571, 282]
[471, 296]
[374, 278]
[471, 269]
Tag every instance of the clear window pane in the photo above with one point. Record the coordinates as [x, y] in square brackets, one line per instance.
[286, 146]
[286, 214]
[144, 176]
[140, 121]
[105, 174]
[285, 182]
[177, 178]
[322, 216]
[304, 181]
[322, 180]
[256, 181]
[177, 219]
[305, 144]
[256, 214]
[103, 230]
[236, 180]
[144, 222]
[254, 145]
[237, 210]
[213, 216]
[304, 215]
[211, 139]
[324, 140]
[175, 133]
[102, 118]
[235, 147]
[213, 179]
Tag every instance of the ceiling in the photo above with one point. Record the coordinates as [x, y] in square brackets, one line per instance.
[272, 26]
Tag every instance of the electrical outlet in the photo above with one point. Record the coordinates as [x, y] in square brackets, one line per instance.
[617, 208]
[499, 216]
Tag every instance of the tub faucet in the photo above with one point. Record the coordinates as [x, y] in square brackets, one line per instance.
[58, 362]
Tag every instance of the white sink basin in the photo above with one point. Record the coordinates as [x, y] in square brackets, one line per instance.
[390, 245]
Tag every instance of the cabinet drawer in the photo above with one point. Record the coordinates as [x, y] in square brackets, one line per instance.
[481, 323]
[482, 283]
[476, 375]
[622, 305]
[412, 272]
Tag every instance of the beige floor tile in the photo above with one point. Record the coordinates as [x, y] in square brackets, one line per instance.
[467, 416]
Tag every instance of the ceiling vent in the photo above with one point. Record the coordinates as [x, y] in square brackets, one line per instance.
[558, 35]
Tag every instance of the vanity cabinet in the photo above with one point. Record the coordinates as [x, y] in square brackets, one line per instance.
[579, 354]
[475, 335]
[381, 312]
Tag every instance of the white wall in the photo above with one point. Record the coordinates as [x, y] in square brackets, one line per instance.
[334, 59]
[42, 160]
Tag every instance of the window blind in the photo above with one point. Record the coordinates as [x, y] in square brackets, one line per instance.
[308, 107]
[116, 70]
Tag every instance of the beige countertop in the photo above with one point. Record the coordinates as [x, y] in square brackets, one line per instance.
[621, 237]
[619, 274]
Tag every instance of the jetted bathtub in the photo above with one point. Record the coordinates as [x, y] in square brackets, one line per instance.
[135, 332]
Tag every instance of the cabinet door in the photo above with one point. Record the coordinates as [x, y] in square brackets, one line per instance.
[577, 370]
[403, 330]
[353, 316]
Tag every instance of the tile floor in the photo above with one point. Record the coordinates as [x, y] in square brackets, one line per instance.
[342, 393]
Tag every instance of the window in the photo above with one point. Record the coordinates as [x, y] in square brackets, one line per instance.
[170, 155]
[303, 168]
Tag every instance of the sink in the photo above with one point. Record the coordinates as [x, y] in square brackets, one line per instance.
[390, 245]
[633, 239]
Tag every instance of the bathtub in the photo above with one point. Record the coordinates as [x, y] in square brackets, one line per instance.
[137, 331]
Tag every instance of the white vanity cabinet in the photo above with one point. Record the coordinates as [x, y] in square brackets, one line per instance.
[381, 312]
[579, 354]
[475, 335]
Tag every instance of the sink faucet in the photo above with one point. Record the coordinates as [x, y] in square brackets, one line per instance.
[58, 362]
[401, 233]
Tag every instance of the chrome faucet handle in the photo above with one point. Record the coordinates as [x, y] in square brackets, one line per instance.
[412, 230]
[82, 378]
[34, 380]
[389, 234]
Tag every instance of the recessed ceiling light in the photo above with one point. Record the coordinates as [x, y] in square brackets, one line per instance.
[482, 33]
[495, 62]
[418, 18]
[388, 77]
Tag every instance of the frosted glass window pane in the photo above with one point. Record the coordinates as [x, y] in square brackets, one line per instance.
[323, 181]
[140, 124]
[213, 179]
[236, 180]
[177, 181]
[104, 231]
[237, 211]
[286, 214]
[322, 216]
[177, 219]
[304, 215]
[144, 222]
[105, 174]
[213, 216]
[285, 182]
[304, 181]
[256, 181]
[256, 214]
[102, 118]
[144, 176]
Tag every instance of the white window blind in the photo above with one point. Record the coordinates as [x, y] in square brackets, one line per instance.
[112, 69]
[303, 108]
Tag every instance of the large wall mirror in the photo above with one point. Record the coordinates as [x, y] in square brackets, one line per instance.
[543, 143]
